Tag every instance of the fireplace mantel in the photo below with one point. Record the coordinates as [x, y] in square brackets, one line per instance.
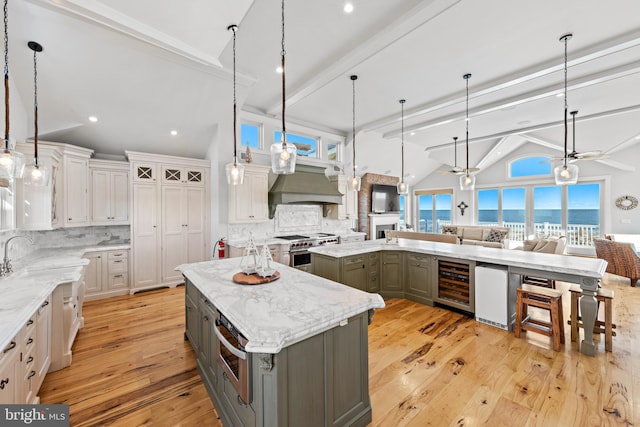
[387, 221]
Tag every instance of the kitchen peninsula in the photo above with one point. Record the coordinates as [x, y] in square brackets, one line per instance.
[433, 259]
[290, 352]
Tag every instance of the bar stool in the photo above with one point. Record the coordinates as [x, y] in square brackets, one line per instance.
[607, 327]
[546, 299]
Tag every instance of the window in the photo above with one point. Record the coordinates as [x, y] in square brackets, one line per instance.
[250, 135]
[403, 217]
[530, 166]
[488, 207]
[434, 210]
[583, 209]
[332, 152]
[306, 146]
[547, 211]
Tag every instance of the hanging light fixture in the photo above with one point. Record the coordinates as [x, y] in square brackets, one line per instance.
[11, 161]
[234, 171]
[467, 181]
[283, 154]
[403, 188]
[35, 173]
[355, 180]
[566, 173]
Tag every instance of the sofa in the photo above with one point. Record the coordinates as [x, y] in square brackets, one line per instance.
[479, 235]
[429, 237]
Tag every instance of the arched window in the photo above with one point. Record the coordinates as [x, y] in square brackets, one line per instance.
[530, 166]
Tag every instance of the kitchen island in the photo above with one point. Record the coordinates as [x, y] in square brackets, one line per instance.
[287, 353]
[586, 272]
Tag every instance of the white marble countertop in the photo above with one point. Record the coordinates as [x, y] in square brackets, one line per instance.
[35, 277]
[580, 266]
[275, 315]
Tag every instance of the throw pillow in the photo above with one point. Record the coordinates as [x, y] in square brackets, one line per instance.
[528, 245]
[449, 229]
[496, 235]
[472, 233]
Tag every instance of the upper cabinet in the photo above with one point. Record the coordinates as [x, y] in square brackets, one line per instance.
[65, 201]
[249, 202]
[183, 175]
[349, 207]
[109, 200]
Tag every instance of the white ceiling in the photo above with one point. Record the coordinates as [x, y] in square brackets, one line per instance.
[147, 66]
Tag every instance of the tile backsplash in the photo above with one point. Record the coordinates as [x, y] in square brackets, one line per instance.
[61, 238]
[290, 219]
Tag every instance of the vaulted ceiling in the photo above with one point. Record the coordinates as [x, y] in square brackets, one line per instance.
[145, 67]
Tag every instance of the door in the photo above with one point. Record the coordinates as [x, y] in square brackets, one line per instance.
[145, 242]
[75, 195]
[354, 272]
[100, 196]
[195, 221]
[120, 196]
[93, 272]
[173, 232]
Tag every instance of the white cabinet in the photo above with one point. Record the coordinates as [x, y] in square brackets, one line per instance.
[183, 215]
[43, 344]
[145, 236]
[107, 274]
[10, 373]
[249, 202]
[75, 191]
[349, 207]
[109, 192]
[66, 320]
[170, 217]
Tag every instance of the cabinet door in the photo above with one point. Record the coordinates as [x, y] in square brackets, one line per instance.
[249, 202]
[145, 172]
[43, 344]
[373, 271]
[93, 272]
[173, 232]
[354, 272]
[100, 196]
[145, 241]
[195, 224]
[391, 271]
[75, 194]
[419, 268]
[10, 373]
[119, 197]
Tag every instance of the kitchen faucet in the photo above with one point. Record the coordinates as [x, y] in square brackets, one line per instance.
[6, 267]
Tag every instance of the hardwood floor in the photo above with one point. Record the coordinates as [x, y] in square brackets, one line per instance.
[428, 367]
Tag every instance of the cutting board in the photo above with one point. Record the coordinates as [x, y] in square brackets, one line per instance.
[254, 279]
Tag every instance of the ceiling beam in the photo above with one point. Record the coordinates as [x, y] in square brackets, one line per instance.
[418, 16]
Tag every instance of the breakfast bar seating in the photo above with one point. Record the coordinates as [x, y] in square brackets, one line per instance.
[605, 327]
[546, 299]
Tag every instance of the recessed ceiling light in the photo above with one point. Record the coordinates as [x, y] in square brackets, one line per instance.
[279, 70]
[348, 7]
[174, 132]
[638, 137]
[412, 133]
[93, 119]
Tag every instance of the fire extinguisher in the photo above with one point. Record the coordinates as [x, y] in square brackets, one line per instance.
[220, 245]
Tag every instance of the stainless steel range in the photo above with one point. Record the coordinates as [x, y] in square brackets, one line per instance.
[299, 256]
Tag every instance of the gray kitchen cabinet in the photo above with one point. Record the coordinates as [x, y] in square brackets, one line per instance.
[420, 276]
[373, 272]
[391, 274]
[354, 272]
[326, 266]
[320, 381]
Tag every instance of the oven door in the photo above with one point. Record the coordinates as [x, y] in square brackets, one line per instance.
[301, 259]
[235, 362]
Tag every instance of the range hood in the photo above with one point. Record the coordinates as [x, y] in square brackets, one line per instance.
[308, 185]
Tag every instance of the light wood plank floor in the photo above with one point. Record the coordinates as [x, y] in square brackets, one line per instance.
[428, 367]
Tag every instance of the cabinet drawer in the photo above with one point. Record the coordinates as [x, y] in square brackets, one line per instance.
[118, 280]
[354, 260]
[118, 266]
[29, 333]
[391, 256]
[118, 255]
[417, 258]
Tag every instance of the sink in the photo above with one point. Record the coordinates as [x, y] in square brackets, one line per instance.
[114, 242]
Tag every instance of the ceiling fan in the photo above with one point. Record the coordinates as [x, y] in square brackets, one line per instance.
[586, 155]
[455, 169]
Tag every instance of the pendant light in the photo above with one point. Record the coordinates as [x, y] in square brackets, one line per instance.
[35, 173]
[467, 181]
[355, 180]
[234, 171]
[403, 188]
[11, 161]
[566, 173]
[283, 154]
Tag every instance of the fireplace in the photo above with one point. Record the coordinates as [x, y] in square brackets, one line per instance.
[380, 222]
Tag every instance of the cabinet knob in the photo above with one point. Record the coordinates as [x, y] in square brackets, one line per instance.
[31, 374]
[29, 341]
[3, 383]
[362, 265]
[44, 304]
[9, 347]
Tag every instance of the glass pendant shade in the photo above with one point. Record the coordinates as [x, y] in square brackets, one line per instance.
[12, 162]
[566, 174]
[283, 158]
[235, 172]
[403, 188]
[355, 183]
[36, 175]
[467, 182]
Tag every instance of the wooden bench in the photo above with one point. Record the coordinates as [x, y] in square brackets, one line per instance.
[607, 327]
